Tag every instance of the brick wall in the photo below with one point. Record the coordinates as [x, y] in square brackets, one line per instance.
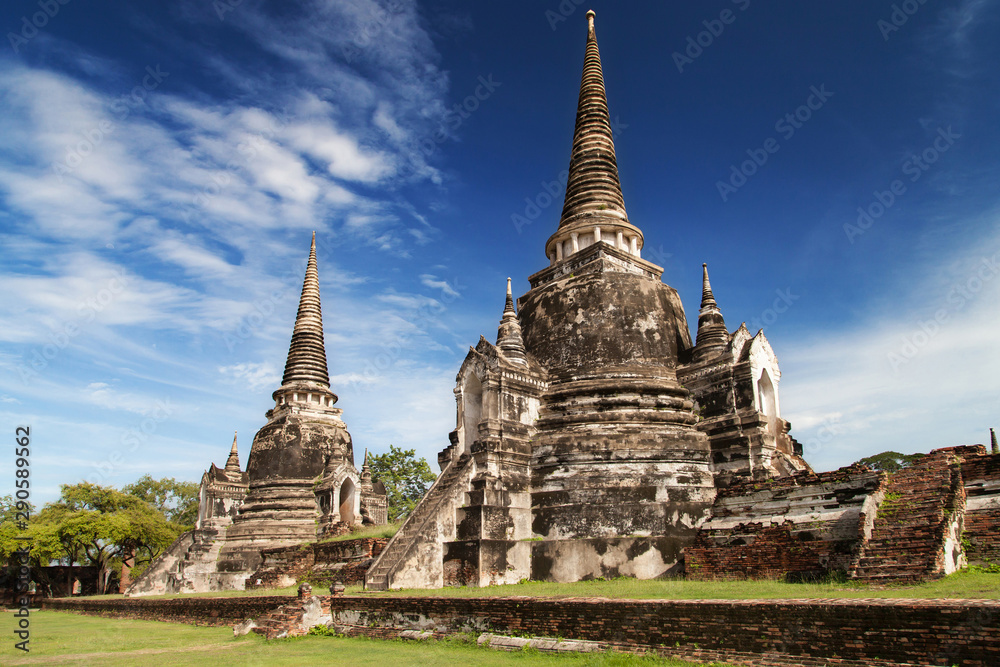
[802, 526]
[322, 563]
[902, 631]
[925, 632]
[981, 475]
[196, 611]
[774, 553]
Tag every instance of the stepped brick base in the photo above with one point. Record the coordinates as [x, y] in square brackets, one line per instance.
[323, 563]
[919, 523]
[917, 530]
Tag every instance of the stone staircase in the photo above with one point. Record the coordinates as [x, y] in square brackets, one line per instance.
[916, 534]
[290, 620]
[199, 560]
[378, 577]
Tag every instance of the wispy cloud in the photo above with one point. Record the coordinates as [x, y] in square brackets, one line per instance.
[910, 379]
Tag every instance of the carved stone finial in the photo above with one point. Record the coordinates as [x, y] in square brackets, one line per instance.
[233, 462]
[993, 442]
[509, 338]
[713, 337]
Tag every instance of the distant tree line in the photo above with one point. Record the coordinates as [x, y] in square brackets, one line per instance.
[121, 531]
[117, 531]
[890, 461]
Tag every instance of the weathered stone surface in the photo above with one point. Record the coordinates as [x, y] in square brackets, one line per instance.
[300, 482]
[585, 454]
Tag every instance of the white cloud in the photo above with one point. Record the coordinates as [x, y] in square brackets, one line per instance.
[433, 282]
[910, 382]
[252, 376]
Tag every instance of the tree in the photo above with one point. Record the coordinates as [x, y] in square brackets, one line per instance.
[96, 525]
[406, 479]
[9, 530]
[890, 461]
[178, 501]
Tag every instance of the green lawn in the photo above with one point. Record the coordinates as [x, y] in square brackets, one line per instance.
[972, 583]
[966, 584]
[61, 638]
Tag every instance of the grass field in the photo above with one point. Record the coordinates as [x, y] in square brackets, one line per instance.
[966, 584]
[972, 583]
[61, 638]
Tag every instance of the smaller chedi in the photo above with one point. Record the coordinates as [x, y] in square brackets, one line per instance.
[300, 483]
[222, 492]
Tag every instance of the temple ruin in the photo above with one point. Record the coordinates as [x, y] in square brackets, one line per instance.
[300, 484]
[594, 438]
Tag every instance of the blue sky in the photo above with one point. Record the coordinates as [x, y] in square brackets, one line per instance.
[162, 166]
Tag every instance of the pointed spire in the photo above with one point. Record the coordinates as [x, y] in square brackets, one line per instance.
[307, 354]
[993, 443]
[233, 462]
[509, 338]
[366, 471]
[593, 187]
[594, 209]
[713, 337]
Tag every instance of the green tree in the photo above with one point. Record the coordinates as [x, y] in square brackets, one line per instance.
[890, 461]
[178, 501]
[406, 479]
[9, 530]
[100, 525]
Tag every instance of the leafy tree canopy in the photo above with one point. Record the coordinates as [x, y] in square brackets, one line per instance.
[890, 461]
[406, 479]
[9, 529]
[94, 525]
[178, 501]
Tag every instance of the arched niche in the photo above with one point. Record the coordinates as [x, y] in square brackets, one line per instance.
[768, 401]
[472, 410]
[346, 497]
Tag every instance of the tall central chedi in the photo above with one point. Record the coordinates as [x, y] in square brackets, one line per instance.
[617, 464]
[576, 453]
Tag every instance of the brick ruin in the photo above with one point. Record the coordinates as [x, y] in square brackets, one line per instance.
[595, 438]
[591, 438]
[919, 523]
[845, 633]
[321, 563]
